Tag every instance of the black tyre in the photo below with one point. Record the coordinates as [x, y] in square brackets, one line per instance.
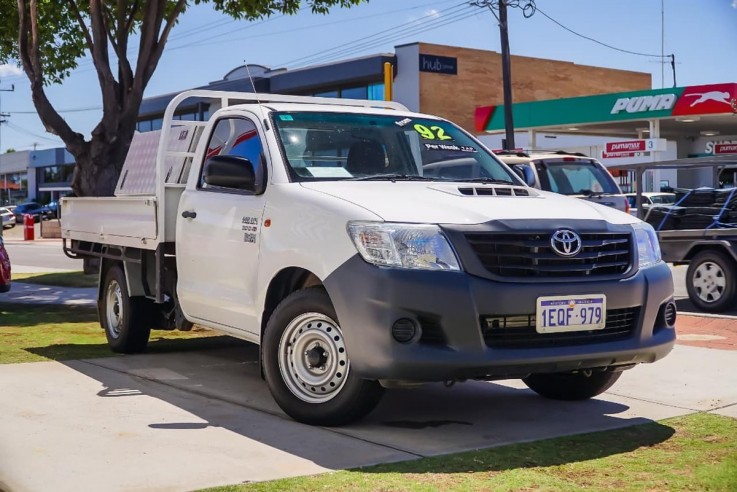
[710, 281]
[306, 364]
[126, 320]
[571, 387]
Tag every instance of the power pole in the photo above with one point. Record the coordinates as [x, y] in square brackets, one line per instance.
[506, 76]
[528, 9]
[4, 115]
[3, 120]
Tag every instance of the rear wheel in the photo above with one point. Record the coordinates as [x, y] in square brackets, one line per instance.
[571, 386]
[307, 366]
[126, 320]
[710, 281]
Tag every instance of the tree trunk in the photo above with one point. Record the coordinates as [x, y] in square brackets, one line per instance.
[99, 162]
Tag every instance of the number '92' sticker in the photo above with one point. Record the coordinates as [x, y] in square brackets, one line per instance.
[432, 133]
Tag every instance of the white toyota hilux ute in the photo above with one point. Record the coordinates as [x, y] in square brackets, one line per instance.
[317, 229]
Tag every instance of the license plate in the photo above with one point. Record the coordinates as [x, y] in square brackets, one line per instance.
[557, 314]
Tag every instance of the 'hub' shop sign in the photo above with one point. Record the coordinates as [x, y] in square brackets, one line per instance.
[438, 64]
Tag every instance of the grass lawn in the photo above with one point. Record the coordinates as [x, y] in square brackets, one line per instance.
[695, 452]
[33, 333]
[61, 279]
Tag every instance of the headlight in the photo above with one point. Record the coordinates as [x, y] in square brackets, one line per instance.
[421, 247]
[648, 248]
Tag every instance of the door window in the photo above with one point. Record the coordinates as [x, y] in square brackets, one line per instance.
[237, 137]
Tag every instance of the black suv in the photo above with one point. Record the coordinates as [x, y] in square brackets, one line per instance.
[38, 211]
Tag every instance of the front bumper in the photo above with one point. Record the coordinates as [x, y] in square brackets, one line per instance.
[450, 307]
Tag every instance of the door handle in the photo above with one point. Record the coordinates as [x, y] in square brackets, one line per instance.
[189, 214]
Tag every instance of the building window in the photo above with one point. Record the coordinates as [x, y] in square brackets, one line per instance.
[373, 92]
[328, 94]
[355, 93]
[56, 174]
[13, 188]
[376, 92]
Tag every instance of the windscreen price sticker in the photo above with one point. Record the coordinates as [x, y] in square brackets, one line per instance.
[451, 147]
[562, 313]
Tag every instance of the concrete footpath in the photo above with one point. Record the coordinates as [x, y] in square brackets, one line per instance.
[186, 420]
[203, 417]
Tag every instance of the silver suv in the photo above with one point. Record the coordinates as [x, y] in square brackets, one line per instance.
[568, 174]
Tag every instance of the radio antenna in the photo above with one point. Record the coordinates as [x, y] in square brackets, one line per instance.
[253, 86]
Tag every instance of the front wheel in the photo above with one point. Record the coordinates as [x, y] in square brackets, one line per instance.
[126, 320]
[307, 366]
[571, 386]
[710, 281]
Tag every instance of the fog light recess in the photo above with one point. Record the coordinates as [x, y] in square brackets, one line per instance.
[405, 330]
[669, 314]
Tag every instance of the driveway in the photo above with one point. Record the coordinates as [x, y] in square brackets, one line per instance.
[184, 420]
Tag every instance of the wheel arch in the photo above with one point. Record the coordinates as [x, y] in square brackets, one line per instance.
[285, 282]
[722, 246]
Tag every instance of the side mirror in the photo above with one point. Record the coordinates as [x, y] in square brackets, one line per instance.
[239, 173]
[526, 173]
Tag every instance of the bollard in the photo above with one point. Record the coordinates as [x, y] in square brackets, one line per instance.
[28, 230]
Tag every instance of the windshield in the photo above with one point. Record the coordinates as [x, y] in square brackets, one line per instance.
[575, 178]
[666, 199]
[329, 146]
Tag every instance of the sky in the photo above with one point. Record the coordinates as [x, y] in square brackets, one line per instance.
[206, 45]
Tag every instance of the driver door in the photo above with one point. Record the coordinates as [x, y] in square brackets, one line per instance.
[218, 236]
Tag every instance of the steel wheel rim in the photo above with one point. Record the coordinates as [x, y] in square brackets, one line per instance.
[709, 281]
[114, 308]
[307, 338]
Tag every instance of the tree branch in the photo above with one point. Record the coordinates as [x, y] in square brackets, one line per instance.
[82, 25]
[30, 55]
[161, 44]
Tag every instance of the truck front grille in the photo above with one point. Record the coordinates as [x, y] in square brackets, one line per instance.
[519, 331]
[531, 254]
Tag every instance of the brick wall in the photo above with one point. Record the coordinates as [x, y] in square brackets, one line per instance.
[479, 82]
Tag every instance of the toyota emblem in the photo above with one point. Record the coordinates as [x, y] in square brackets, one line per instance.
[565, 243]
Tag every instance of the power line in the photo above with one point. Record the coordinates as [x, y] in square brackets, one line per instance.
[27, 132]
[600, 42]
[378, 37]
[315, 26]
[402, 35]
[71, 110]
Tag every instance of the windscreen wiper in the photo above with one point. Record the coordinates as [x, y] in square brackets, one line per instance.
[595, 194]
[393, 177]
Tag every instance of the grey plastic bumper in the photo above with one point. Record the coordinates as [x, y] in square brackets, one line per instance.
[369, 299]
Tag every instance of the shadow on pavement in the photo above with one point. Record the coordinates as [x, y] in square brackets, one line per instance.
[70, 351]
[545, 453]
[686, 306]
[218, 380]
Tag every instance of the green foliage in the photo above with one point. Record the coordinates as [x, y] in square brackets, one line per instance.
[63, 42]
[37, 333]
[694, 452]
[61, 279]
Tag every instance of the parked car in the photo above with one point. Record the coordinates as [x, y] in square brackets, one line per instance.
[649, 199]
[4, 268]
[568, 174]
[7, 217]
[38, 211]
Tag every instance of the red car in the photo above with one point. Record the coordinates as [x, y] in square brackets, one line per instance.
[4, 268]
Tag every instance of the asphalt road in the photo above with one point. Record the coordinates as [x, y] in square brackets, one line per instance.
[38, 255]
